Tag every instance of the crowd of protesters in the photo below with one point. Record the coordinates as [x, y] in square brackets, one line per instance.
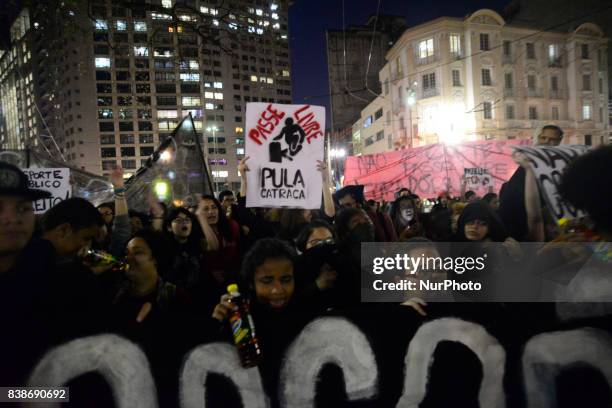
[293, 264]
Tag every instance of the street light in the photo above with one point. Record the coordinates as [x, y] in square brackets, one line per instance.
[337, 153]
[411, 102]
[213, 129]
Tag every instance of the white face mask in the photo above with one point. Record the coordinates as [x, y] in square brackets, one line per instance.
[407, 214]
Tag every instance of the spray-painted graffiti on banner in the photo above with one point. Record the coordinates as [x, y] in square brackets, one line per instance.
[284, 143]
[548, 163]
[432, 169]
[54, 180]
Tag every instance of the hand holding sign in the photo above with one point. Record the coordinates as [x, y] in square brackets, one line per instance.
[242, 167]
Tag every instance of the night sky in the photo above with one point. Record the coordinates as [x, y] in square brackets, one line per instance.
[308, 20]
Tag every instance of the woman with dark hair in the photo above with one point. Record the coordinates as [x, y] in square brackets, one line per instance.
[154, 313]
[317, 264]
[221, 256]
[478, 223]
[479, 228]
[184, 248]
[492, 199]
[292, 220]
[405, 217]
[269, 282]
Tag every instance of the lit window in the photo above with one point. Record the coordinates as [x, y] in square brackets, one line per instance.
[426, 48]
[209, 106]
[273, 6]
[193, 64]
[218, 85]
[167, 125]
[586, 112]
[251, 29]
[209, 95]
[276, 26]
[103, 62]
[101, 25]
[160, 16]
[204, 10]
[140, 26]
[186, 18]
[214, 11]
[285, 73]
[259, 12]
[190, 76]
[197, 124]
[215, 22]
[233, 26]
[553, 53]
[270, 80]
[253, 78]
[191, 101]
[284, 36]
[218, 95]
[240, 150]
[162, 52]
[195, 113]
[167, 3]
[266, 23]
[239, 129]
[455, 45]
[274, 16]
[141, 51]
[120, 25]
[220, 173]
[167, 114]
[259, 31]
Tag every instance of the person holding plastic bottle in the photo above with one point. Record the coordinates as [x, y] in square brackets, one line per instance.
[269, 284]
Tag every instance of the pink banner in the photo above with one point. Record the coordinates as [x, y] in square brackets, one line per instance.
[432, 169]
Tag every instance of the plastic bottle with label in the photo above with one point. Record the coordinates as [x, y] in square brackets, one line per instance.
[243, 329]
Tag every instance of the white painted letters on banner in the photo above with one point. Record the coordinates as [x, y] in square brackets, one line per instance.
[548, 163]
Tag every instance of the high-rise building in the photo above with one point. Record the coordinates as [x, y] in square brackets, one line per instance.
[452, 80]
[349, 63]
[118, 81]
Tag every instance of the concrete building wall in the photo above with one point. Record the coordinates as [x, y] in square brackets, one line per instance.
[454, 80]
[113, 88]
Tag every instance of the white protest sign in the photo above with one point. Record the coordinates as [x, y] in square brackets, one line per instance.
[477, 177]
[54, 180]
[548, 163]
[284, 143]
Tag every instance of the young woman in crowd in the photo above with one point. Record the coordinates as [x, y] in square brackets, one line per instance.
[221, 255]
[492, 199]
[184, 248]
[318, 264]
[156, 314]
[479, 228]
[291, 223]
[269, 282]
[405, 217]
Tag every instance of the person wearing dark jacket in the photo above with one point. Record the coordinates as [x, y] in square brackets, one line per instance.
[512, 194]
[352, 197]
[269, 282]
